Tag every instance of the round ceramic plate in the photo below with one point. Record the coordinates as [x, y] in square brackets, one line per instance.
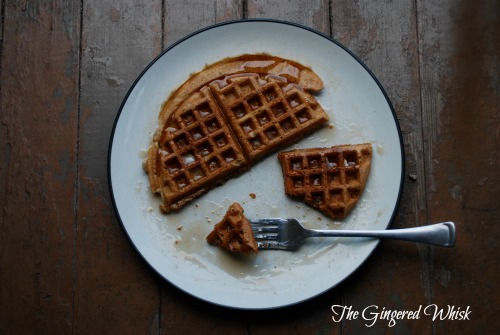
[174, 244]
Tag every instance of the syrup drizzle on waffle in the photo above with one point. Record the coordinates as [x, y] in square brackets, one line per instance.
[227, 122]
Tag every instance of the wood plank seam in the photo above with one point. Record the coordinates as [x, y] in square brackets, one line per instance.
[426, 277]
[77, 167]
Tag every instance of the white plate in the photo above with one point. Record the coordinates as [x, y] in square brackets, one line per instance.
[174, 245]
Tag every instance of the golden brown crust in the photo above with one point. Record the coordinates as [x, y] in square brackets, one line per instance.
[329, 179]
[261, 64]
[226, 117]
[234, 233]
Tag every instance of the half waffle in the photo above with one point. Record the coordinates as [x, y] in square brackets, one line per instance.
[329, 179]
[234, 233]
[224, 118]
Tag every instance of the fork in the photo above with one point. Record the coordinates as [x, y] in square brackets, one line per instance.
[289, 234]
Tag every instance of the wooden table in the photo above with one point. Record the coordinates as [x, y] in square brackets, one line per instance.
[67, 267]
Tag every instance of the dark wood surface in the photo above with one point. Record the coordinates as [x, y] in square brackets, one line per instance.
[66, 266]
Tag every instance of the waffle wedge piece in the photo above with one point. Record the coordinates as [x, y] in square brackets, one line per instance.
[234, 233]
[329, 179]
[225, 118]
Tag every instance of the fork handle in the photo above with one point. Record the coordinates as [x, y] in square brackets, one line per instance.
[441, 234]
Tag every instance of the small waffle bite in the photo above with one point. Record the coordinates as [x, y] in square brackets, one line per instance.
[234, 233]
[329, 179]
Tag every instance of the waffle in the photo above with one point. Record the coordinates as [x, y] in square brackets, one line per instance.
[226, 117]
[234, 233]
[329, 179]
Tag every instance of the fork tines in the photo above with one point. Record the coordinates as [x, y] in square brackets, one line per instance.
[265, 229]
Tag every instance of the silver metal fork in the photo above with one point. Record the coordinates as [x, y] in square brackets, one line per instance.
[288, 234]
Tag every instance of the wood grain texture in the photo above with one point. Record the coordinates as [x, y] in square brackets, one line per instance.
[383, 35]
[311, 13]
[185, 17]
[119, 38]
[38, 151]
[460, 52]
[66, 266]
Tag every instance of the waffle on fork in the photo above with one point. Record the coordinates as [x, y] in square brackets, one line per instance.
[226, 117]
[329, 179]
[234, 232]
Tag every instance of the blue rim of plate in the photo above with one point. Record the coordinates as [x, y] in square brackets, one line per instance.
[297, 25]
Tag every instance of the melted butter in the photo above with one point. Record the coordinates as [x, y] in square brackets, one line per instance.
[290, 71]
[223, 82]
[291, 86]
[276, 77]
[380, 149]
[265, 67]
[252, 65]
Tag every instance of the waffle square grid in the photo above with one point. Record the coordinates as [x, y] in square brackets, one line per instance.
[329, 179]
[225, 127]
[262, 113]
[198, 145]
